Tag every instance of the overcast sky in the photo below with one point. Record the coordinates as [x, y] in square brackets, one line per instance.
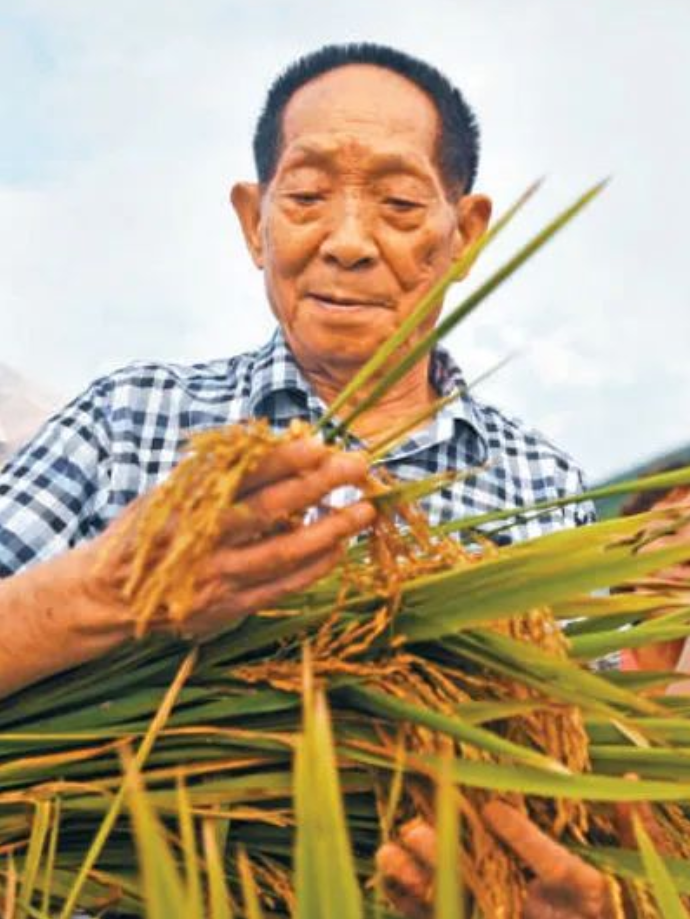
[124, 123]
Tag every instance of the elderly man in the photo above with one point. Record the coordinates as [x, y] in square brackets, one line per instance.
[366, 160]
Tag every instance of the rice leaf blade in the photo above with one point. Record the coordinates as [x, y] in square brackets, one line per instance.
[192, 873]
[219, 902]
[662, 884]
[325, 861]
[428, 303]
[250, 895]
[162, 887]
[448, 893]
[113, 812]
[466, 307]
[40, 827]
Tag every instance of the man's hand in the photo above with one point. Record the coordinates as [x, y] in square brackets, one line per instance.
[70, 609]
[564, 886]
[265, 552]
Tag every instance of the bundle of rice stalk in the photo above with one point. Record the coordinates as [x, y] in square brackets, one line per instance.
[437, 660]
[204, 817]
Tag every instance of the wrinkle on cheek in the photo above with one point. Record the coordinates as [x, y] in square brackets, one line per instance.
[292, 246]
[418, 265]
[431, 258]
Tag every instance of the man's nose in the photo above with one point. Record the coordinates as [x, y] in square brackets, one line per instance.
[349, 243]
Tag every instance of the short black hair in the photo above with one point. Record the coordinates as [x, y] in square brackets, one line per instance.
[458, 142]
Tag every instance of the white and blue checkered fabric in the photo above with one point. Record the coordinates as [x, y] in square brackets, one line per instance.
[127, 431]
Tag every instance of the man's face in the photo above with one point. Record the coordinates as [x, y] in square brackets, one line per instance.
[355, 225]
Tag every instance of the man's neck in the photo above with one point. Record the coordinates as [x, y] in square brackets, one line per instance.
[407, 398]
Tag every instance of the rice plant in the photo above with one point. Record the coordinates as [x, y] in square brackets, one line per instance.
[258, 774]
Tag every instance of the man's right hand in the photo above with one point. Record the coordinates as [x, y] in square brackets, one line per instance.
[70, 609]
[262, 555]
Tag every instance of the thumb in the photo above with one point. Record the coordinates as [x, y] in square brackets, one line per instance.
[549, 860]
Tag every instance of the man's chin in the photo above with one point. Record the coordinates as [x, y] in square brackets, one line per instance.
[349, 345]
[345, 355]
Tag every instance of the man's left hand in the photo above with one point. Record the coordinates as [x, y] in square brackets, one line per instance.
[564, 886]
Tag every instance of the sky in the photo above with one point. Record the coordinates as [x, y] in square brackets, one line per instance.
[124, 125]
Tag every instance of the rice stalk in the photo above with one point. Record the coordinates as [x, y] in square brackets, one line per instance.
[447, 677]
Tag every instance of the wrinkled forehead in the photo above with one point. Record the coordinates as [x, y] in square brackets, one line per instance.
[364, 103]
[348, 153]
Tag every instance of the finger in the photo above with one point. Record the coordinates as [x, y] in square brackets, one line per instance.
[549, 860]
[221, 611]
[264, 508]
[419, 838]
[535, 905]
[260, 562]
[539, 905]
[285, 460]
[624, 817]
[406, 882]
[571, 900]
[404, 903]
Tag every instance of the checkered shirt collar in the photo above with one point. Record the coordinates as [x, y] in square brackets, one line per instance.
[277, 372]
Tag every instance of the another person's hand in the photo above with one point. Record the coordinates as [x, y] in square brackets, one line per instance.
[564, 887]
[265, 552]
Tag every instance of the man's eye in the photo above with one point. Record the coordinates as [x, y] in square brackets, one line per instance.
[305, 197]
[402, 205]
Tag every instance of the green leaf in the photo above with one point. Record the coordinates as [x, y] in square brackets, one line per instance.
[448, 894]
[530, 781]
[192, 873]
[662, 628]
[532, 574]
[219, 905]
[379, 703]
[663, 481]
[626, 863]
[162, 887]
[558, 678]
[40, 827]
[111, 816]
[403, 365]
[49, 865]
[665, 892]
[406, 492]
[252, 906]
[324, 861]
[427, 304]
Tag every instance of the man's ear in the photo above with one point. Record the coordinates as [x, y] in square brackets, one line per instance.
[246, 199]
[473, 216]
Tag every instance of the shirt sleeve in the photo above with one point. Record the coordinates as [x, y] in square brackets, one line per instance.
[579, 513]
[51, 491]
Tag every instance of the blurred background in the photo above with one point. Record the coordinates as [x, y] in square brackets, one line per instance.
[124, 124]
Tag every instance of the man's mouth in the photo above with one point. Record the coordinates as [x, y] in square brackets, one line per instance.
[345, 302]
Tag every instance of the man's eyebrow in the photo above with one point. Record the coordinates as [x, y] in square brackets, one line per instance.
[386, 163]
[312, 154]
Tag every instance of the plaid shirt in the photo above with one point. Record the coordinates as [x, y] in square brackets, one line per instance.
[126, 432]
